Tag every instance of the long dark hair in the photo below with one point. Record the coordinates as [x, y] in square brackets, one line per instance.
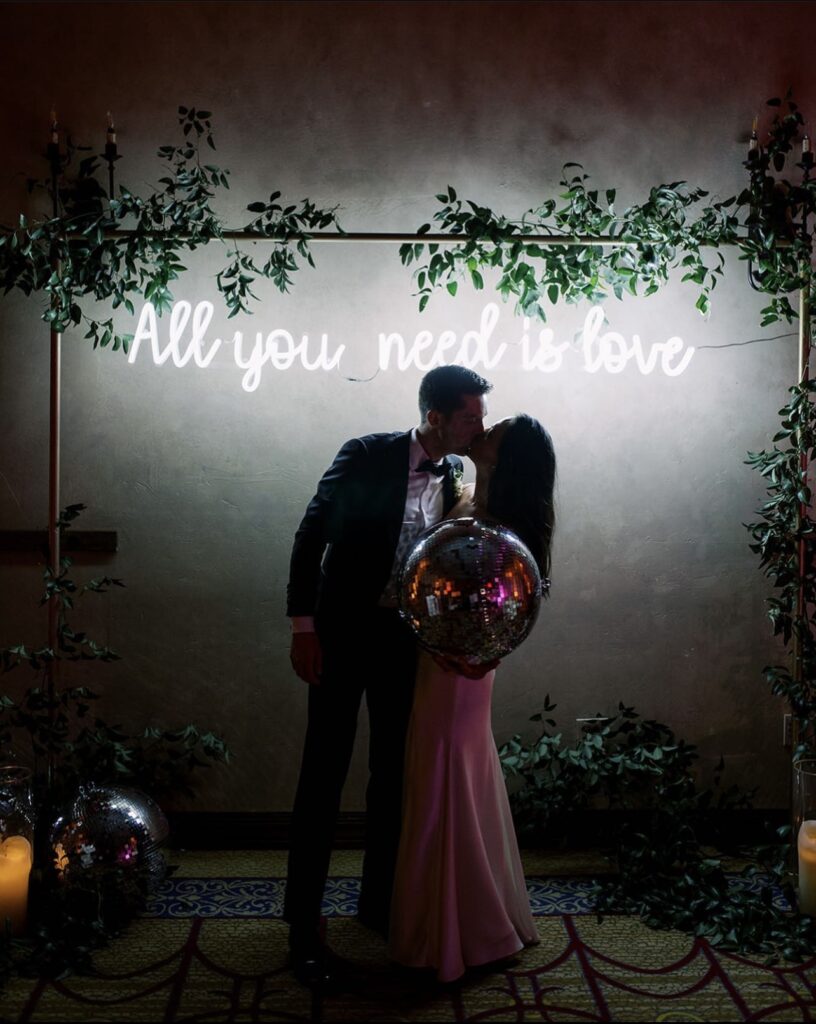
[520, 494]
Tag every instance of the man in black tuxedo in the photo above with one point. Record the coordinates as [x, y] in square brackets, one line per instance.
[380, 493]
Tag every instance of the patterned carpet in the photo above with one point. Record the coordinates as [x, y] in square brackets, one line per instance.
[212, 947]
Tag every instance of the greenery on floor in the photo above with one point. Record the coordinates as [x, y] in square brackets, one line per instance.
[68, 923]
[666, 841]
[55, 730]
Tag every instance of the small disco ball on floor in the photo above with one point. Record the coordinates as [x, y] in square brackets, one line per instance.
[470, 589]
[110, 827]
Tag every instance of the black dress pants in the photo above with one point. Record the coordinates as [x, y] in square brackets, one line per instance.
[376, 656]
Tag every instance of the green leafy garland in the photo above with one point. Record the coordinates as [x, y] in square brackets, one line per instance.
[651, 239]
[670, 230]
[74, 257]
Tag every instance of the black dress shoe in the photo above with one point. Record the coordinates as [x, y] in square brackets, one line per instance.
[313, 971]
[317, 967]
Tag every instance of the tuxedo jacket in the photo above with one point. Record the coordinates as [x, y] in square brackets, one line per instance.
[344, 547]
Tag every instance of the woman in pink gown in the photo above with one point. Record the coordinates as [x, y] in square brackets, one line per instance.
[460, 898]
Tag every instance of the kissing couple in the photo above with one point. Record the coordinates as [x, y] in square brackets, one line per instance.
[442, 878]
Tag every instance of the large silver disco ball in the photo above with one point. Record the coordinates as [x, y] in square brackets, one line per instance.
[107, 827]
[470, 589]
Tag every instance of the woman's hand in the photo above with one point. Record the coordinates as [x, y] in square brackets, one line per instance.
[461, 667]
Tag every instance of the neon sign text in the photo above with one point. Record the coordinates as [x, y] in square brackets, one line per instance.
[277, 348]
[598, 350]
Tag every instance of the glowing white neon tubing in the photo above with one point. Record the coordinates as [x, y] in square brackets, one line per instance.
[473, 350]
[608, 351]
[613, 353]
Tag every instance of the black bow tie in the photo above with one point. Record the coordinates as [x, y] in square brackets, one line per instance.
[428, 466]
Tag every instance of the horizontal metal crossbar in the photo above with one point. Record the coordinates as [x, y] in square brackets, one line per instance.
[399, 238]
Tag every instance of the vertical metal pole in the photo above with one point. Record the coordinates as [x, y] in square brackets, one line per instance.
[801, 609]
[53, 518]
[54, 488]
[804, 376]
[54, 466]
[806, 276]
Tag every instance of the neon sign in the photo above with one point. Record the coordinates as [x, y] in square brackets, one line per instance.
[278, 349]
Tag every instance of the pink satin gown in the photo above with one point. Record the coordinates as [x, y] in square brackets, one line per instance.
[460, 898]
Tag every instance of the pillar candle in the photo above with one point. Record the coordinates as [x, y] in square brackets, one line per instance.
[806, 845]
[15, 867]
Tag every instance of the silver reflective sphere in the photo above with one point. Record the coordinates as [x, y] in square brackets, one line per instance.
[470, 589]
[110, 826]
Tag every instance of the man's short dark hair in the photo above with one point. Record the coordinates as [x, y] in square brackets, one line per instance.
[443, 388]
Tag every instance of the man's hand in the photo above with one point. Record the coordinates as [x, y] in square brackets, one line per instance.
[306, 655]
[464, 668]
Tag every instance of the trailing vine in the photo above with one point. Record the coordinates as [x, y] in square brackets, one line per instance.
[76, 256]
[65, 731]
[783, 536]
[785, 527]
[650, 239]
[672, 229]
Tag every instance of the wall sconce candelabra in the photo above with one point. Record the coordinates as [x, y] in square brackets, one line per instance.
[111, 154]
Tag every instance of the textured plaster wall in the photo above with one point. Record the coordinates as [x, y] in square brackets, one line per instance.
[657, 600]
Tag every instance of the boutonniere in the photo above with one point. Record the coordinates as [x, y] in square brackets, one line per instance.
[457, 480]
